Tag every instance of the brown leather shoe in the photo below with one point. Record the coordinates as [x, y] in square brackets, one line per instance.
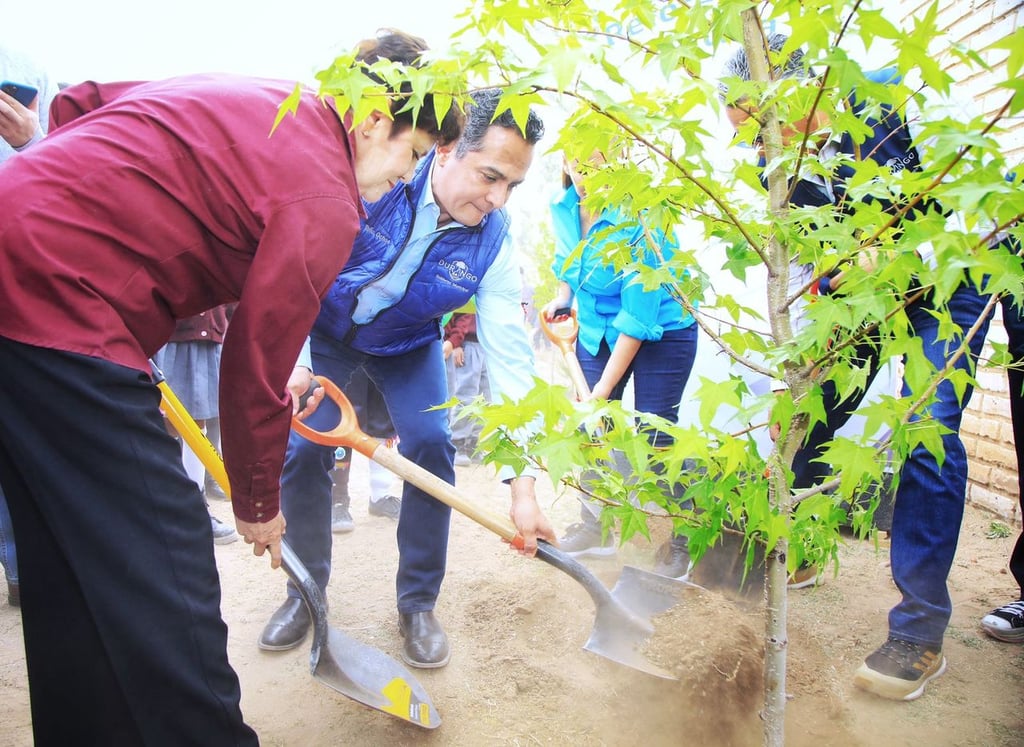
[426, 644]
[287, 627]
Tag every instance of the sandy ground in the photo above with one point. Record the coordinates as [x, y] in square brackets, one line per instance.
[519, 675]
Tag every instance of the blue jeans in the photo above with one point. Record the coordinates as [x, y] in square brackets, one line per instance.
[929, 506]
[659, 370]
[8, 553]
[411, 384]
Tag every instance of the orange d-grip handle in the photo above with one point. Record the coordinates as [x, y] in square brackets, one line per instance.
[564, 337]
[562, 333]
[347, 433]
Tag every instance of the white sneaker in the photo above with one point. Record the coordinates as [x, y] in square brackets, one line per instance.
[1006, 623]
[222, 533]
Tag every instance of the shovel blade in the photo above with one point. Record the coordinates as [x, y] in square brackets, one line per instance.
[624, 624]
[371, 677]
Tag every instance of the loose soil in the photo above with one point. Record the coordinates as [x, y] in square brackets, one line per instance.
[519, 675]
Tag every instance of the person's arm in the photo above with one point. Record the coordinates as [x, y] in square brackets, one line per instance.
[562, 300]
[509, 361]
[301, 250]
[507, 351]
[623, 354]
[637, 320]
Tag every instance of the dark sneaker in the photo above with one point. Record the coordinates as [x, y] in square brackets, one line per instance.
[1006, 623]
[673, 560]
[584, 539]
[389, 507]
[222, 533]
[341, 519]
[804, 576]
[899, 669]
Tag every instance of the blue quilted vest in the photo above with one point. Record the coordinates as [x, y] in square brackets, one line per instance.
[889, 144]
[448, 276]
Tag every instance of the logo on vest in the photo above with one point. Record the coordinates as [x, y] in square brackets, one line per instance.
[897, 164]
[369, 230]
[458, 271]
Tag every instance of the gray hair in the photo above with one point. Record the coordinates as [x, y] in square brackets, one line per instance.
[738, 66]
[480, 117]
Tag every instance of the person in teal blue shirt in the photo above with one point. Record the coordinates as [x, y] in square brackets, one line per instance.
[625, 332]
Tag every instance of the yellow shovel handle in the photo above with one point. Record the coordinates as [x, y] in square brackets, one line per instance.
[187, 428]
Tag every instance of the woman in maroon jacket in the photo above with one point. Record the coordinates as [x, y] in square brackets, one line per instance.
[155, 202]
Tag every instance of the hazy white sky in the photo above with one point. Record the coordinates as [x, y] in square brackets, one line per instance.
[141, 39]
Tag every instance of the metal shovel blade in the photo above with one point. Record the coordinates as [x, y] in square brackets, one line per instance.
[361, 672]
[623, 625]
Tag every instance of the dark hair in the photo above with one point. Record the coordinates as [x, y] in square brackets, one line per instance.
[738, 66]
[406, 49]
[480, 116]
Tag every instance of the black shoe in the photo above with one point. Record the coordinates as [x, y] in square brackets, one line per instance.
[1006, 623]
[673, 559]
[214, 491]
[287, 627]
[426, 644]
[341, 519]
[388, 506]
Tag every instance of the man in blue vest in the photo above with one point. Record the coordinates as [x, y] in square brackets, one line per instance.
[425, 248]
[930, 499]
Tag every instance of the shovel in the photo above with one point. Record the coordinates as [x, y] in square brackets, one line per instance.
[362, 672]
[563, 334]
[623, 623]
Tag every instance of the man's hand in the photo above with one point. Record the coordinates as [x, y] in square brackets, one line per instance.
[18, 124]
[530, 521]
[298, 384]
[264, 536]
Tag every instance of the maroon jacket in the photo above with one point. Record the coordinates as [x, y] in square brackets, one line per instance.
[206, 326]
[153, 202]
[460, 328]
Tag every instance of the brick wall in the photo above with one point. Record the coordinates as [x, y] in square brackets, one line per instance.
[986, 427]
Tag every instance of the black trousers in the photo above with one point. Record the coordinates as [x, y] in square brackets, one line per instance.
[1013, 320]
[120, 594]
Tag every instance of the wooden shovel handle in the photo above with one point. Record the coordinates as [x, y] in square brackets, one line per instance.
[564, 337]
[348, 433]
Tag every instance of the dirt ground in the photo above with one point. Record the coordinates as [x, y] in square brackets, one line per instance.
[519, 675]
